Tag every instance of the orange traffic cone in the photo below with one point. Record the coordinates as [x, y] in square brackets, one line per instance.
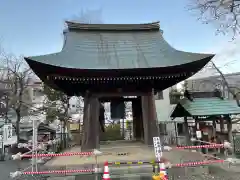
[106, 175]
[163, 172]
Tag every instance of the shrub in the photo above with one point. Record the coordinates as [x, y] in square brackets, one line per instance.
[112, 132]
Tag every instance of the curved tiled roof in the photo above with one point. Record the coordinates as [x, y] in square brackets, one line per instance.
[113, 27]
[205, 107]
[117, 50]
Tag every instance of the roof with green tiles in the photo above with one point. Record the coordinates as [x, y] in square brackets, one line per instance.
[103, 57]
[205, 107]
[116, 46]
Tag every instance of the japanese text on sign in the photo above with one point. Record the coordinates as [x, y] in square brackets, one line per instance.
[157, 147]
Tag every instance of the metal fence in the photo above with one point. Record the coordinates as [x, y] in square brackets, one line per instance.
[124, 131]
[119, 131]
[113, 132]
[171, 134]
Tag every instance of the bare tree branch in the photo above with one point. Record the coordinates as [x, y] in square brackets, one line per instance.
[15, 76]
[233, 90]
[223, 13]
[225, 83]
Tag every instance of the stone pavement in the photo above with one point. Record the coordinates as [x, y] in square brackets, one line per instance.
[135, 151]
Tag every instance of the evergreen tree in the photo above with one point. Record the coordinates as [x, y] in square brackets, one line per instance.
[57, 106]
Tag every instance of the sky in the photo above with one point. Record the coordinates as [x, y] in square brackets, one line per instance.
[34, 27]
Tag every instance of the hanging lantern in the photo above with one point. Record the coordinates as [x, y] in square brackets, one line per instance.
[117, 109]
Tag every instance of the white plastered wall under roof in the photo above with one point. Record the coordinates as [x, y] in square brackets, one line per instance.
[164, 108]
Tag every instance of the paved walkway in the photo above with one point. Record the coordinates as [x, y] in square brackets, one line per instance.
[135, 152]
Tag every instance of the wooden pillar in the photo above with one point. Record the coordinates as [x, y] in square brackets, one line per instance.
[214, 134]
[197, 129]
[149, 118]
[101, 121]
[85, 121]
[222, 129]
[214, 127]
[229, 129]
[137, 119]
[91, 124]
[186, 129]
[221, 125]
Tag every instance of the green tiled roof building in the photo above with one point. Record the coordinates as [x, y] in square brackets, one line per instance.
[115, 60]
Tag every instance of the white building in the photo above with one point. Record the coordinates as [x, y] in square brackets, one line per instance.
[215, 82]
[164, 109]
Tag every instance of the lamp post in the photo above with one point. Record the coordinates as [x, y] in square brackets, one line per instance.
[4, 108]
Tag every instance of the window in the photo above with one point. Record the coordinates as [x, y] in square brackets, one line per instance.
[73, 105]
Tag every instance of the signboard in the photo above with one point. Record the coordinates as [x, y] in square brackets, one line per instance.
[7, 132]
[157, 148]
[199, 134]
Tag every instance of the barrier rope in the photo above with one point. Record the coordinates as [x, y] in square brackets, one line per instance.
[188, 164]
[96, 153]
[61, 171]
[19, 155]
[26, 155]
[60, 154]
[202, 146]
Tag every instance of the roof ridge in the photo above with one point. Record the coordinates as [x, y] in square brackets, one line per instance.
[87, 26]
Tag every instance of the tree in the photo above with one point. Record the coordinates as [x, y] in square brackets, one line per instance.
[15, 74]
[224, 13]
[56, 107]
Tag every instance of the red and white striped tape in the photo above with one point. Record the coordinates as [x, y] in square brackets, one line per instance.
[61, 171]
[199, 163]
[60, 154]
[202, 146]
[92, 153]
[187, 164]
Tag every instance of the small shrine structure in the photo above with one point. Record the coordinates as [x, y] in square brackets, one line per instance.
[204, 111]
